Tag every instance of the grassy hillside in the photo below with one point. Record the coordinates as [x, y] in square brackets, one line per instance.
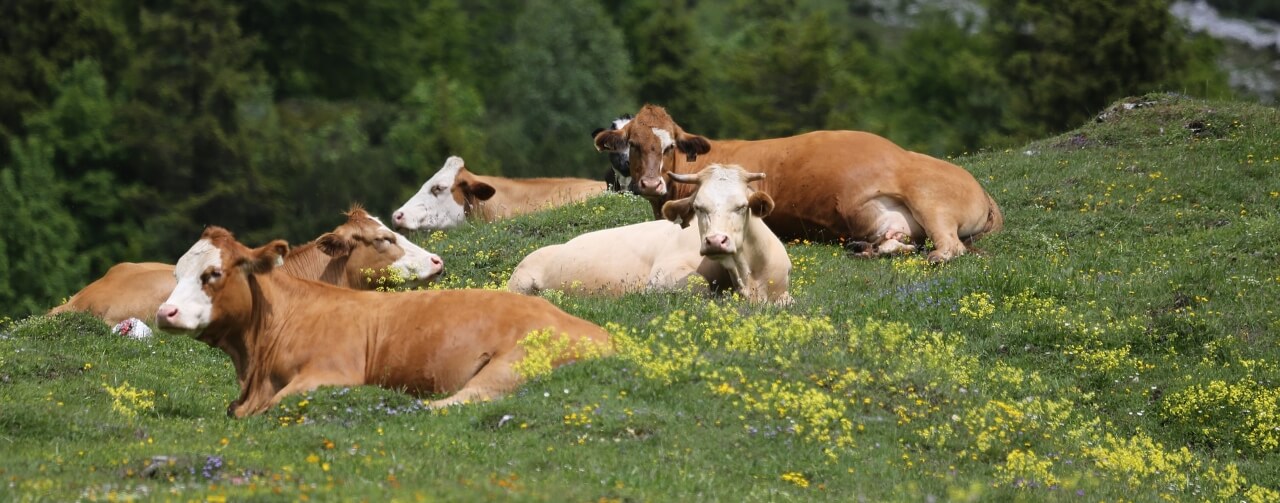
[1116, 341]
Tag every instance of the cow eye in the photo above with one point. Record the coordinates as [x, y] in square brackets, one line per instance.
[213, 275]
[435, 191]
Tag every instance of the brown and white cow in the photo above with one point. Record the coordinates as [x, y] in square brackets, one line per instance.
[826, 185]
[454, 194]
[360, 254]
[730, 248]
[289, 335]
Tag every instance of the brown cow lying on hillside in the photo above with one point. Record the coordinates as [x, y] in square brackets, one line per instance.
[454, 194]
[826, 185]
[358, 254]
[730, 247]
[288, 335]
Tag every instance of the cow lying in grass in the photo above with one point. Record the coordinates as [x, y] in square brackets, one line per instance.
[730, 247]
[827, 185]
[360, 254]
[454, 194]
[289, 335]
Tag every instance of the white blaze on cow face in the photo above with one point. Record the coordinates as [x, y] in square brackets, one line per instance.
[417, 264]
[664, 136]
[721, 205]
[433, 207]
[189, 307]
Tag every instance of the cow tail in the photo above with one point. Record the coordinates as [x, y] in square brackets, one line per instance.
[995, 218]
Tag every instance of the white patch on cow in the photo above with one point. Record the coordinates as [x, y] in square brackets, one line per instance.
[417, 264]
[433, 207]
[194, 306]
[664, 136]
[620, 123]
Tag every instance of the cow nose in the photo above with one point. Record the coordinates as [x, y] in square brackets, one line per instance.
[397, 217]
[435, 261]
[167, 313]
[653, 186]
[717, 243]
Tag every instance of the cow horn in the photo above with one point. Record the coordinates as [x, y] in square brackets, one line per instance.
[684, 178]
[751, 177]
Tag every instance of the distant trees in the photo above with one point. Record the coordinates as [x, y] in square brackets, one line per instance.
[128, 125]
[568, 71]
[1064, 59]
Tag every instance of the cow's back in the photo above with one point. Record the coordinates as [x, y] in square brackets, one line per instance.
[435, 341]
[518, 196]
[127, 290]
[819, 179]
[596, 262]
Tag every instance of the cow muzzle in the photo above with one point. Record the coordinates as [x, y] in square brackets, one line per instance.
[718, 244]
[652, 186]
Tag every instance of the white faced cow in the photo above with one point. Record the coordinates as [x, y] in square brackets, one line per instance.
[826, 185]
[360, 254]
[454, 194]
[730, 248]
[290, 335]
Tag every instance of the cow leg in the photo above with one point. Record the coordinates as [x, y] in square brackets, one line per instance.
[944, 231]
[497, 378]
[894, 242]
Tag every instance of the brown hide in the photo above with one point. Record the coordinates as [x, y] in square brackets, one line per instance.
[135, 290]
[826, 185]
[491, 198]
[286, 335]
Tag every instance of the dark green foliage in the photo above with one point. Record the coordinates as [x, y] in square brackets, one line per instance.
[568, 73]
[783, 72]
[668, 63]
[942, 94]
[338, 49]
[1063, 59]
[41, 38]
[155, 118]
[441, 116]
[38, 263]
[181, 129]
[78, 125]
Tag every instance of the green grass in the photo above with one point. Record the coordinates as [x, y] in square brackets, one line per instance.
[1116, 341]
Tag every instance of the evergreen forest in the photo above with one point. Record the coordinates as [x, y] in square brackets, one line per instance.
[126, 126]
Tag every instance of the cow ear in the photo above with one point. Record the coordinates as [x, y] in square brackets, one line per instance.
[480, 190]
[611, 141]
[334, 245]
[679, 211]
[267, 257]
[691, 144]
[761, 204]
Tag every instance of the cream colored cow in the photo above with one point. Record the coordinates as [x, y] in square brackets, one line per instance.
[730, 248]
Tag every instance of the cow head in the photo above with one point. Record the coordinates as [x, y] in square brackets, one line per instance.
[368, 245]
[618, 177]
[650, 141]
[213, 280]
[443, 202]
[722, 204]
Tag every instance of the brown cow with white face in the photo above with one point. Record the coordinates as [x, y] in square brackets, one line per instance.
[826, 185]
[731, 248]
[454, 194]
[359, 254]
[289, 335]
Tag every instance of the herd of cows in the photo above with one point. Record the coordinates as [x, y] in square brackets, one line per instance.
[293, 319]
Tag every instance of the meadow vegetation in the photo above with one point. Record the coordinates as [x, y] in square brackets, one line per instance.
[1114, 342]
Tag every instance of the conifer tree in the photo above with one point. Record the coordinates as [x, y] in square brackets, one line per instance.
[1066, 59]
[568, 72]
[38, 260]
